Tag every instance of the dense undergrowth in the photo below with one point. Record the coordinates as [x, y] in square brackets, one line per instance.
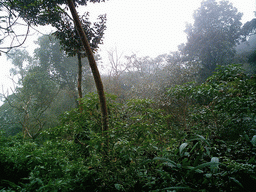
[201, 138]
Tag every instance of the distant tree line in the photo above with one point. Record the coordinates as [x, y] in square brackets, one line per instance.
[51, 81]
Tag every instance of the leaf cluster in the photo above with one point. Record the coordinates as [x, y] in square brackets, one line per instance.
[224, 104]
[39, 12]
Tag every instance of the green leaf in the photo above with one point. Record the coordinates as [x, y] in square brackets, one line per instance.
[208, 175]
[170, 162]
[208, 164]
[253, 141]
[236, 181]
[214, 168]
[119, 187]
[182, 147]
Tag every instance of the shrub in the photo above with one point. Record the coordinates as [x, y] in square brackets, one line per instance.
[223, 106]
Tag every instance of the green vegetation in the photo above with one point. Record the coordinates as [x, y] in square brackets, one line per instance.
[211, 148]
[184, 121]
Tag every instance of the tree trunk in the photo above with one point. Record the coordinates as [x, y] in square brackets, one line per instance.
[93, 65]
[79, 82]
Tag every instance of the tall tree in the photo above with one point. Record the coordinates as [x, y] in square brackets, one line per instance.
[20, 58]
[61, 67]
[69, 40]
[93, 65]
[50, 12]
[213, 36]
[33, 95]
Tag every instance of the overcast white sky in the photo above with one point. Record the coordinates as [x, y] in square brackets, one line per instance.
[144, 27]
[152, 27]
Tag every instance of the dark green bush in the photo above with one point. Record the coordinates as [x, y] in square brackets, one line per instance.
[224, 106]
[27, 166]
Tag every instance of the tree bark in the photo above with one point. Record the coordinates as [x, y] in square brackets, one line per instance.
[93, 65]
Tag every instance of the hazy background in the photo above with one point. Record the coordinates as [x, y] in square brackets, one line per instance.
[144, 27]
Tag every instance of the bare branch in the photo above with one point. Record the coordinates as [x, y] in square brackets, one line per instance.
[15, 46]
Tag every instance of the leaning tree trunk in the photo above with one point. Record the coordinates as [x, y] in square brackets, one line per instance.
[93, 65]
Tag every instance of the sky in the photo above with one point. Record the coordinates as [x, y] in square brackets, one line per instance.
[150, 27]
[144, 27]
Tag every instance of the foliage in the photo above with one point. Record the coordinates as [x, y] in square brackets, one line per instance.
[9, 120]
[60, 67]
[45, 83]
[196, 138]
[41, 13]
[69, 37]
[213, 36]
[143, 154]
[127, 141]
[190, 166]
[20, 60]
[38, 85]
[224, 104]
[252, 61]
[28, 166]
[194, 167]
[249, 27]
[30, 102]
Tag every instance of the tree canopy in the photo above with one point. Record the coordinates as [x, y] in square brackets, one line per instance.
[213, 36]
[36, 12]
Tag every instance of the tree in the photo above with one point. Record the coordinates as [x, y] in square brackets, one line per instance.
[249, 28]
[50, 12]
[69, 41]
[213, 36]
[136, 77]
[19, 59]
[112, 82]
[34, 79]
[10, 118]
[93, 66]
[30, 101]
[60, 67]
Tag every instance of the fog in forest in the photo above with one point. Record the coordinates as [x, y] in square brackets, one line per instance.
[128, 95]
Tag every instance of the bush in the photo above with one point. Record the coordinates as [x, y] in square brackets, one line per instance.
[223, 106]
